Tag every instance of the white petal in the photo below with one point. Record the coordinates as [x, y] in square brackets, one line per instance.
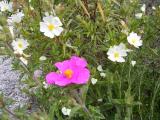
[56, 21]
[68, 111]
[138, 15]
[57, 31]
[49, 34]
[111, 57]
[121, 59]
[133, 63]
[99, 68]
[64, 111]
[93, 81]
[42, 58]
[103, 75]
[43, 27]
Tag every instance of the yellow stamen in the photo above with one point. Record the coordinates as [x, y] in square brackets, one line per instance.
[51, 27]
[20, 45]
[68, 73]
[133, 40]
[116, 55]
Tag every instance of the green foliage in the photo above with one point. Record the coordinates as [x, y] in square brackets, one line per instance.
[127, 93]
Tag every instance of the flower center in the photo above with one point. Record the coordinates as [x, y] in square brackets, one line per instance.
[68, 73]
[5, 8]
[20, 45]
[51, 27]
[116, 55]
[133, 41]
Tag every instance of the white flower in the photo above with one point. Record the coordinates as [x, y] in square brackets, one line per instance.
[19, 45]
[5, 6]
[15, 18]
[153, 8]
[100, 100]
[143, 8]
[103, 75]
[45, 85]
[66, 111]
[93, 81]
[23, 60]
[99, 68]
[51, 26]
[138, 15]
[134, 40]
[117, 52]
[133, 63]
[42, 58]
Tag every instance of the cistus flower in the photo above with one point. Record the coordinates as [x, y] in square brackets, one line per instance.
[99, 68]
[19, 45]
[72, 71]
[134, 40]
[42, 58]
[138, 15]
[5, 6]
[15, 18]
[117, 53]
[94, 81]
[143, 8]
[51, 26]
[66, 111]
[133, 63]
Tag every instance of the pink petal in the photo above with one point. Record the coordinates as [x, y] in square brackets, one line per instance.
[63, 81]
[80, 62]
[62, 66]
[83, 75]
[52, 77]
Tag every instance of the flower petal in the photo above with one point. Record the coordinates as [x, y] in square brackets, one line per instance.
[82, 76]
[57, 31]
[62, 66]
[63, 81]
[56, 21]
[52, 77]
[79, 62]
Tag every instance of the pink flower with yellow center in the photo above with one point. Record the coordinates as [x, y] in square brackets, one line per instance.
[72, 71]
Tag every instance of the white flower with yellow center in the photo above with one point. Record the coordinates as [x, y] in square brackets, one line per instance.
[117, 52]
[15, 18]
[51, 26]
[19, 45]
[5, 6]
[134, 40]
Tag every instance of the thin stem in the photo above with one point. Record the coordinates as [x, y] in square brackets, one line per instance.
[79, 100]
[154, 97]
[7, 110]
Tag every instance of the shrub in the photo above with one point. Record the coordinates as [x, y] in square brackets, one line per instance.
[116, 41]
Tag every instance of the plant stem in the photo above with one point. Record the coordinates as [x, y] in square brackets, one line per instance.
[79, 100]
[7, 110]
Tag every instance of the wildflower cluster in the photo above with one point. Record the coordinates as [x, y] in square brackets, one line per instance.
[90, 44]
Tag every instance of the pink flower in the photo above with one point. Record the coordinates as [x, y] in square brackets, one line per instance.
[72, 71]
